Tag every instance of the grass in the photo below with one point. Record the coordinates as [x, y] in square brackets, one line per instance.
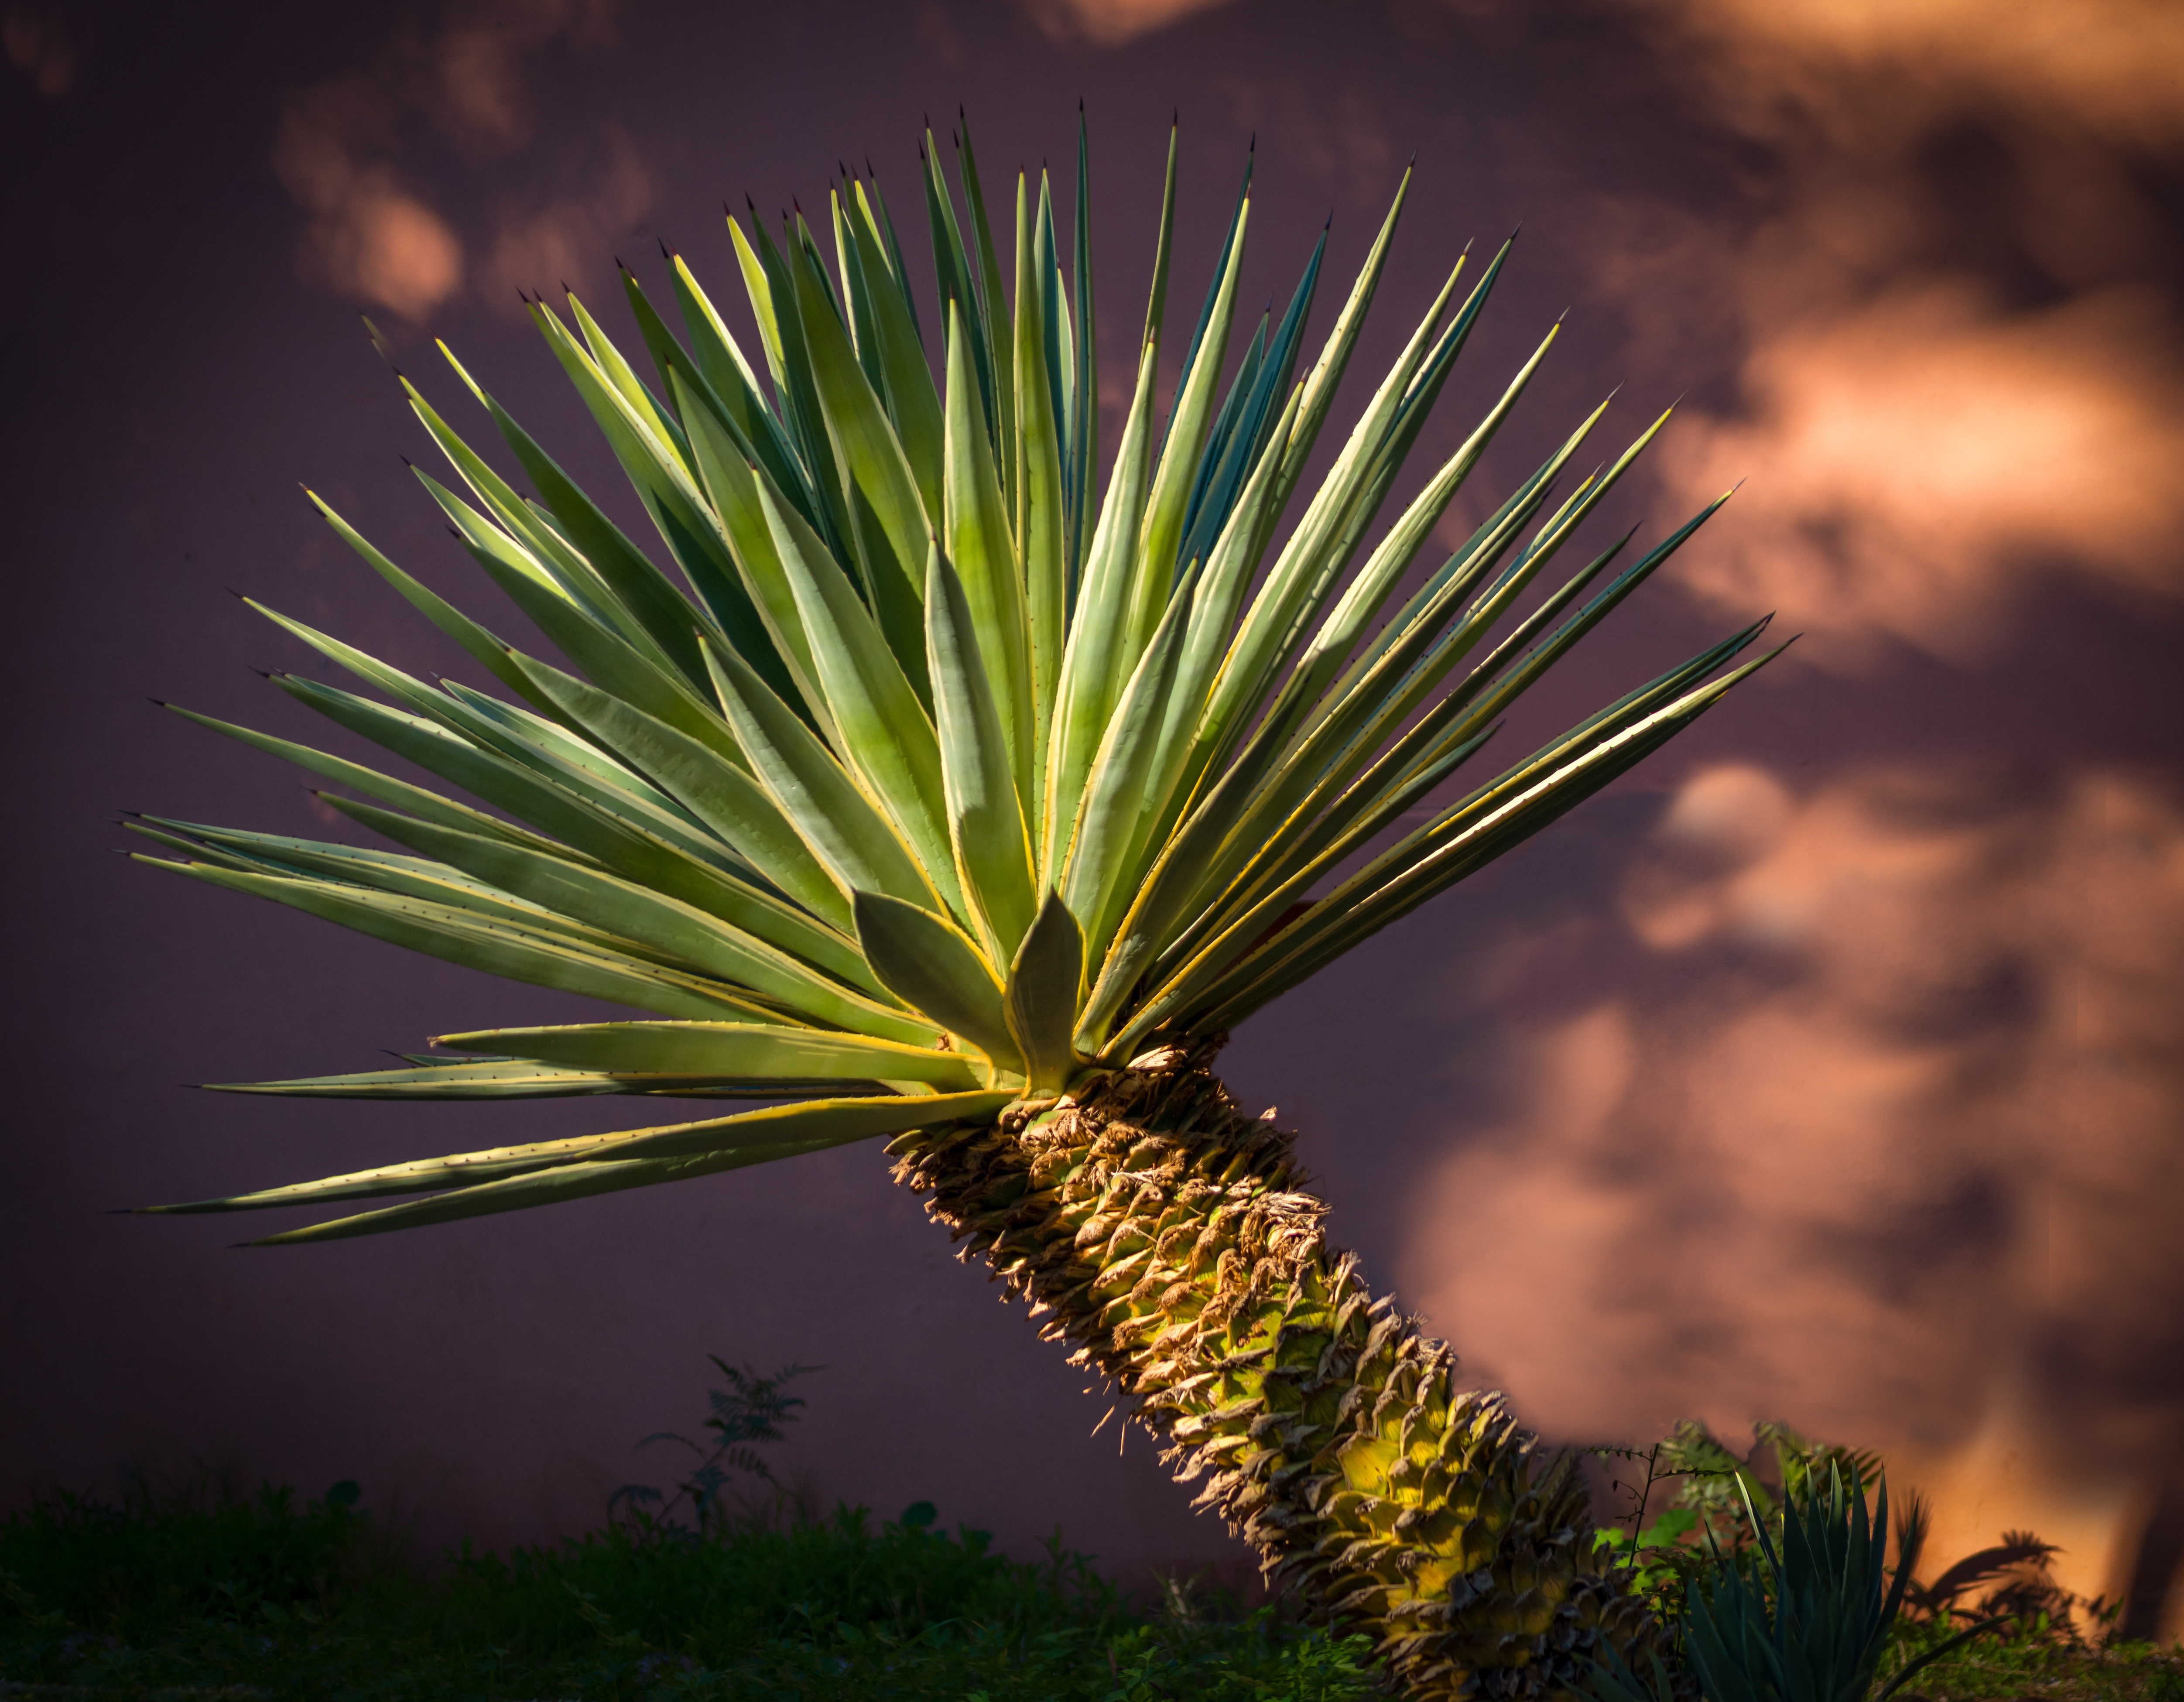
[204, 1592]
[2037, 1661]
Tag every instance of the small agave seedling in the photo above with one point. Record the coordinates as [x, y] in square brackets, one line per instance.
[930, 791]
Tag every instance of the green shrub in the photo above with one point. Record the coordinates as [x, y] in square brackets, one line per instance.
[192, 1551]
[296, 1598]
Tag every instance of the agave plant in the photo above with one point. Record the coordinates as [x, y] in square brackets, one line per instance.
[1806, 1621]
[925, 790]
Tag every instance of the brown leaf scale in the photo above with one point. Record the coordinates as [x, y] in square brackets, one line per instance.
[1171, 1237]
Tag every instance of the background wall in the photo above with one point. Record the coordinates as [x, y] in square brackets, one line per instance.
[1827, 1069]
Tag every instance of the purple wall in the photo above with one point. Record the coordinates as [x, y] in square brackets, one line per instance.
[1827, 1070]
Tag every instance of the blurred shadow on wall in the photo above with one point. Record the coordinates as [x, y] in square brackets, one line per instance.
[1853, 1097]
[348, 149]
[1960, 309]
[1110, 23]
[1763, 1120]
[1877, 1135]
[2159, 1563]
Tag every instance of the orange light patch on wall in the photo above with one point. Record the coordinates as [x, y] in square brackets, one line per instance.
[1879, 1140]
[1911, 464]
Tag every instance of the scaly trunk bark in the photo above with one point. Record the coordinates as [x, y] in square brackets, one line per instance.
[1170, 1238]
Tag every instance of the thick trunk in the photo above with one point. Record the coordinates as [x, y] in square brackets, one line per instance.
[1168, 1236]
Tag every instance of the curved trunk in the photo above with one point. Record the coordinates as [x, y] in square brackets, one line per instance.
[1170, 1238]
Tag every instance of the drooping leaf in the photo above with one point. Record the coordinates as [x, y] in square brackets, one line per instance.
[676, 931]
[497, 948]
[416, 800]
[501, 1079]
[511, 1179]
[719, 1048]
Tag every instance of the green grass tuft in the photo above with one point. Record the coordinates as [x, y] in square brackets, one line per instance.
[269, 1595]
[200, 1590]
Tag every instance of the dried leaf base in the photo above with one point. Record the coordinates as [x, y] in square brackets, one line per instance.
[1168, 1237]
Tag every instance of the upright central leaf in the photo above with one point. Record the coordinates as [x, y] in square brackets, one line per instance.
[888, 739]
